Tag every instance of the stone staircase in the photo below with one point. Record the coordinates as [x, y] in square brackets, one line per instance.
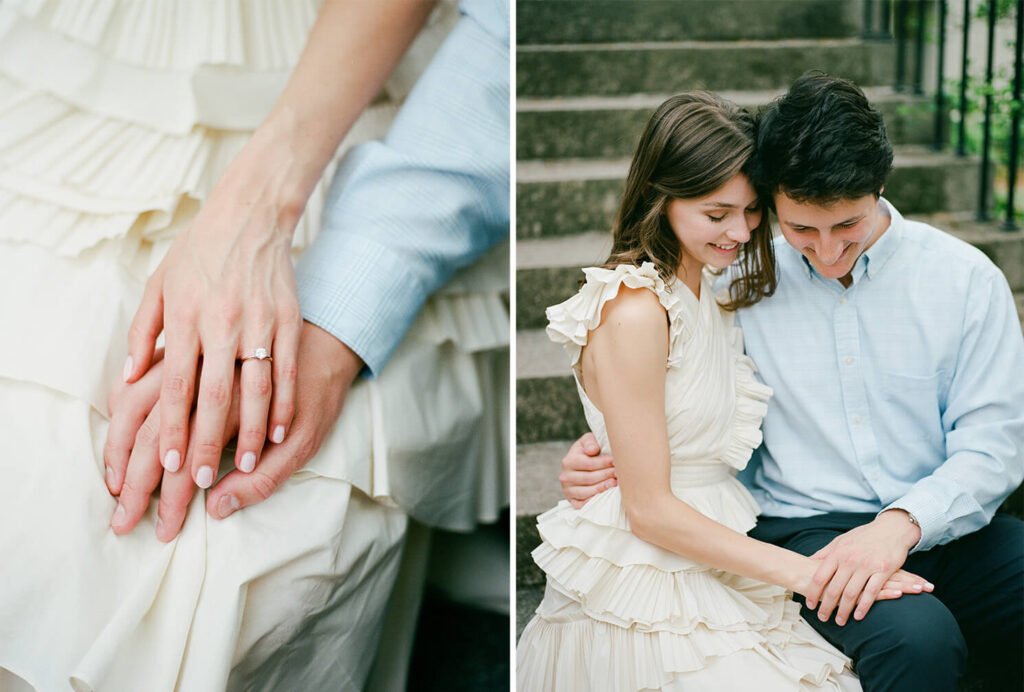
[588, 76]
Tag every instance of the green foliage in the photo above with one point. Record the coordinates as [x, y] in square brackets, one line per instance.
[1003, 9]
[1003, 108]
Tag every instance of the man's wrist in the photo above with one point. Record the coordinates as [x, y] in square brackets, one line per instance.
[907, 522]
[344, 363]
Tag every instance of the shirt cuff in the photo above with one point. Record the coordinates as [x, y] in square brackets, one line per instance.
[930, 517]
[364, 293]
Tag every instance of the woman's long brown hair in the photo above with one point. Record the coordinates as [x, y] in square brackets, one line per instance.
[693, 144]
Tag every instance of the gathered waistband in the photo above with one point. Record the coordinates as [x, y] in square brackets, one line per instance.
[690, 474]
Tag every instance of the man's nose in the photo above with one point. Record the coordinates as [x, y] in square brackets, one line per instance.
[830, 247]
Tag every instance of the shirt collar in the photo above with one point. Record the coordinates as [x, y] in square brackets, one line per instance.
[875, 257]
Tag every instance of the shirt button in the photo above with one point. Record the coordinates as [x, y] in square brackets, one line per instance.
[842, 300]
[849, 361]
[858, 420]
[874, 476]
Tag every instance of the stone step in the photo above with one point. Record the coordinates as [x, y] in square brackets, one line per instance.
[597, 21]
[548, 269]
[574, 195]
[609, 126]
[549, 70]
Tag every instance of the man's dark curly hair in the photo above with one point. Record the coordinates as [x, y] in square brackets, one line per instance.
[822, 142]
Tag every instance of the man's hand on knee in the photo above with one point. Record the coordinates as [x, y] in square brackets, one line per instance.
[585, 472]
[857, 565]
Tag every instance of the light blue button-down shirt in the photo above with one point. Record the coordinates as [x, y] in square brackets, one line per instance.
[405, 213]
[905, 390]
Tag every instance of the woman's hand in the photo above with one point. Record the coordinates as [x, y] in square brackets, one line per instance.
[224, 290]
[226, 286]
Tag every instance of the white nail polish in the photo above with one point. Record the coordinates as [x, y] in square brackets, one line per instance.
[109, 475]
[278, 436]
[127, 369]
[227, 505]
[172, 460]
[204, 477]
[248, 462]
[118, 517]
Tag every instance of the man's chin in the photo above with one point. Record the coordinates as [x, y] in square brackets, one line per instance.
[835, 271]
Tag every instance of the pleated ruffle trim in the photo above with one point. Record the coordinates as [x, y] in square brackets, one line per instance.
[595, 655]
[618, 578]
[570, 322]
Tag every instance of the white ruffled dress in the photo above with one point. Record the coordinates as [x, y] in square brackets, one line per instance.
[621, 614]
[116, 119]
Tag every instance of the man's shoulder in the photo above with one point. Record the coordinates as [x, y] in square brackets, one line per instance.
[941, 252]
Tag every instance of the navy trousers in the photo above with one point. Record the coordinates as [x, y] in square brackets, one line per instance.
[920, 641]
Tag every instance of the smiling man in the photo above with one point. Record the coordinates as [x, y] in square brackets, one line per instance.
[896, 428]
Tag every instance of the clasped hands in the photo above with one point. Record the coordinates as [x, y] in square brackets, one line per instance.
[846, 576]
[224, 290]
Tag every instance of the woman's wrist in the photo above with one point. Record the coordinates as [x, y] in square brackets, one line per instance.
[275, 169]
[798, 572]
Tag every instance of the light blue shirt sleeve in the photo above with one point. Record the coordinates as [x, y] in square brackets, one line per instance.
[983, 419]
[405, 213]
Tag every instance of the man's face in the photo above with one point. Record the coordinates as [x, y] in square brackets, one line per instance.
[831, 236]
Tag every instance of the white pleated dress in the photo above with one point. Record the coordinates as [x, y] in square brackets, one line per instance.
[116, 119]
[622, 614]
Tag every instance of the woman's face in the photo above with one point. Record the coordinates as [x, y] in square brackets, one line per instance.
[712, 228]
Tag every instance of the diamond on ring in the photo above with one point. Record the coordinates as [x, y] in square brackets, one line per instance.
[259, 354]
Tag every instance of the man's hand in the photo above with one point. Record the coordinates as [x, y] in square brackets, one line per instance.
[131, 456]
[856, 565]
[584, 472]
[132, 450]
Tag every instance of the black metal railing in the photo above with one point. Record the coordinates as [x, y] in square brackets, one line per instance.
[909, 19]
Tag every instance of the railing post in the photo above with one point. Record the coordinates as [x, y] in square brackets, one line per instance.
[961, 140]
[986, 140]
[919, 49]
[940, 94]
[901, 44]
[886, 28]
[1011, 224]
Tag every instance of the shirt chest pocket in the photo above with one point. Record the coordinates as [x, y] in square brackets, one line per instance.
[911, 409]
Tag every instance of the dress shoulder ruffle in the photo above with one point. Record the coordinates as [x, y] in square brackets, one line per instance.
[570, 322]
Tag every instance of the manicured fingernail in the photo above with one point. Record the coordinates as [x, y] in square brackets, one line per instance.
[118, 517]
[928, 585]
[857, 615]
[159, 528]
[916, 587]
[840, 621]
[204, 477]
[226, 505]
[127, 368]
[109, 474]
[248, 462]
[278, 435]
[172, 460]
[822, 616]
